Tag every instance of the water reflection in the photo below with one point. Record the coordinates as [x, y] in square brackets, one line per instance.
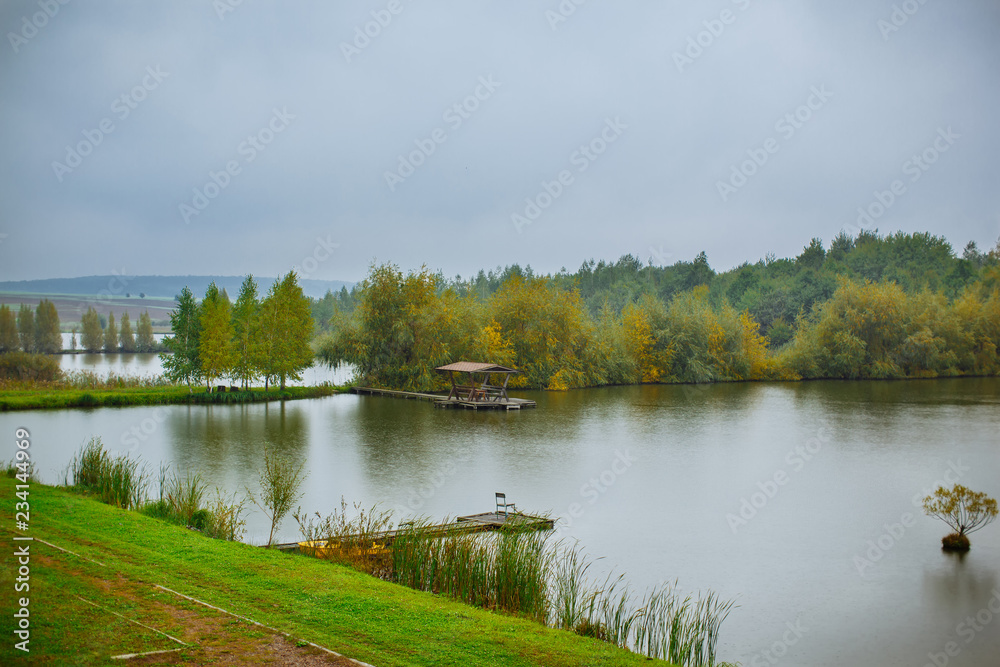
[228, 441]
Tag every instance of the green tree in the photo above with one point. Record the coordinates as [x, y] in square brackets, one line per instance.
[48, 338]
[247, 334]
[145, 342]
[9, 340]
[215, 345]
[92, 336]
[279, 488]
[111, 335]
[125, 335]
[72, 341]
[963, 509]
[287, 326]
[181, 361]
[26, 328]
[813, 255]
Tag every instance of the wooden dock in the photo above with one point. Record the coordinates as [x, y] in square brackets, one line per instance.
[444, 401]
[473, 523]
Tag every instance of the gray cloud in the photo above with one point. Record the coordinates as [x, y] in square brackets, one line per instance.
[655, 187]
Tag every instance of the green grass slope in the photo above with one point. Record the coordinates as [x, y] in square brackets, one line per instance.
[88, 605]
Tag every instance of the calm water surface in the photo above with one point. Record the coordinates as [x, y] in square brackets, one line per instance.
[796, 500]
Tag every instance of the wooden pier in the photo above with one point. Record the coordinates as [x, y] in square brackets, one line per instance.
[449, 401]
[473, 523]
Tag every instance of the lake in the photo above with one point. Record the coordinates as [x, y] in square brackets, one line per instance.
[798, 500]
[149, 365]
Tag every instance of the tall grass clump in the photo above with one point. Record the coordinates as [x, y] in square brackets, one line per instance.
[184, 497]
[118, 481]
[679, 629]
[182, 501]
[225, 517]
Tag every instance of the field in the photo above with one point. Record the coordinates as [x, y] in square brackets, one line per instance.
[71, 307]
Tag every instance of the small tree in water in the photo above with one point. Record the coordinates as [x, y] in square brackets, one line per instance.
[279, 488]
[964, 510]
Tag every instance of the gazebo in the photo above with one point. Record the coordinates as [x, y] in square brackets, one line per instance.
[469, 388]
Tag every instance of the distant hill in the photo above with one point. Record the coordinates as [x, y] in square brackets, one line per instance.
[157, 286]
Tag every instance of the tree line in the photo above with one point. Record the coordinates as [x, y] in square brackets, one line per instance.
[871, 307]
[33, 331]
[96, 336]
[254, 338]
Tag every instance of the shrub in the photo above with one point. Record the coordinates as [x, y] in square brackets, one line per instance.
[27, 367]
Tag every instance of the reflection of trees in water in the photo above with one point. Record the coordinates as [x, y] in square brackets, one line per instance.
[959, 584]
[213, 438]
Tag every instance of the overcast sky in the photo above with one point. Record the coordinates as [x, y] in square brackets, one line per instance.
[661, 129]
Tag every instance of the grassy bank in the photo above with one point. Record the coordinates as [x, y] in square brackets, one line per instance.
[120, 558]
[44, 397]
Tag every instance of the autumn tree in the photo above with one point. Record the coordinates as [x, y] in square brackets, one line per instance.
[286, 326]
[548, 329]
[111, 335]
[181, 362]
[92, 336]
[26, 328]
[963, 509]
[647, 339]
[48, 338]
[145, 342]
[125, 335]
[9, 340]
[247, 334]
[215, 345]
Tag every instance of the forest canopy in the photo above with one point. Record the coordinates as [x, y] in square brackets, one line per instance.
[896, 306]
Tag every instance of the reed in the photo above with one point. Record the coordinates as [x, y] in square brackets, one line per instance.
[225, 514]
[184, 496]
[118, 481]
[679, 629]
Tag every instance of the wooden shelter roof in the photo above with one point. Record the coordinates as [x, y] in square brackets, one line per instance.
[476, 367]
